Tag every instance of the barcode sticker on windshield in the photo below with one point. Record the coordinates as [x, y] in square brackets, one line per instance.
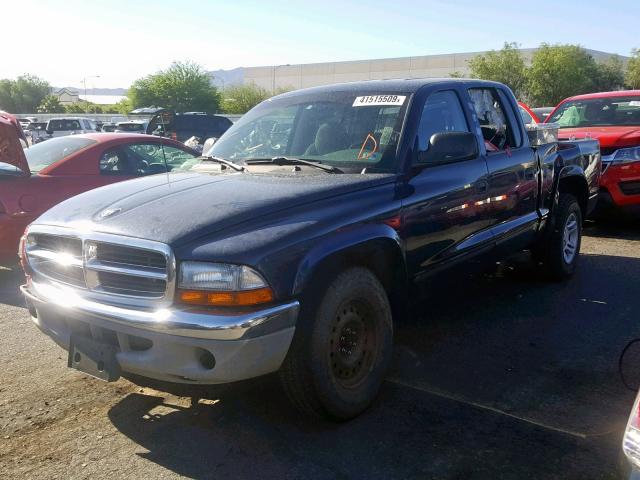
[379, 100]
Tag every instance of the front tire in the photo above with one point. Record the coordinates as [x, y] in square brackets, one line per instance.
[561, 248]
[340, 354]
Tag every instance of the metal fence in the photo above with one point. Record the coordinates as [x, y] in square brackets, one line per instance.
[101, 117]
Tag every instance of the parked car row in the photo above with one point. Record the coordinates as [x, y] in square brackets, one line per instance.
[165, 123]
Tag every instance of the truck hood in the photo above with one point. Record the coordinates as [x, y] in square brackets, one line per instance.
[618, 136]
[182, 207]
[11, 151]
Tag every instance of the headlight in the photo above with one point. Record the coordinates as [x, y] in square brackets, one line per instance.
[222, 285]
[623, 155]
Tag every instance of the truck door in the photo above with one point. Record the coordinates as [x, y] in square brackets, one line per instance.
[511, 201]
[442, 218]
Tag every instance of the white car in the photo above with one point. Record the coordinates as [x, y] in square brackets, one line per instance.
[133, 126]
[59, 127]
[631, 440]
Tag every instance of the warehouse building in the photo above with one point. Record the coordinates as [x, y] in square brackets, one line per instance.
[313, 74]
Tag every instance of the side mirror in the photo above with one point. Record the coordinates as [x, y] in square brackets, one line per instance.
[447, 147]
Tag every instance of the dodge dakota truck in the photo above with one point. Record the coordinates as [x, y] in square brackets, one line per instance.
[292, 245]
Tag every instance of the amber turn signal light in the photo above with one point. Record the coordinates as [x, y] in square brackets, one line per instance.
[243, 298]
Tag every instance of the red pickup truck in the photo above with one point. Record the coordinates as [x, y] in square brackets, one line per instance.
[613, 118]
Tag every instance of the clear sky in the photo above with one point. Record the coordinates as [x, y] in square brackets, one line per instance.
[62, 41]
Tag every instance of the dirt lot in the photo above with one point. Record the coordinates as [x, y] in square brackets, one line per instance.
[518, 379]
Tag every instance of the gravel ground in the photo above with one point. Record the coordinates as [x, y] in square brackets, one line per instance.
[498, 375]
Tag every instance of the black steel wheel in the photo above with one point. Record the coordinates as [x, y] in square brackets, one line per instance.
[340, 353]
[354, 343]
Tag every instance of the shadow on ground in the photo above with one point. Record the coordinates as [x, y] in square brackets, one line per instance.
[498, 375]
[406, 434]
[10, 280]
[627, 228]
[547, 353]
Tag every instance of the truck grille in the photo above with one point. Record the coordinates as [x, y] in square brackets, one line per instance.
[116, 254]
[117, 269]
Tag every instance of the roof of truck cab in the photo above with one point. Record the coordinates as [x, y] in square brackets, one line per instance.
[409, 85]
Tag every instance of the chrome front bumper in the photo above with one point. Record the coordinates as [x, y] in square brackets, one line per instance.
[244, 344]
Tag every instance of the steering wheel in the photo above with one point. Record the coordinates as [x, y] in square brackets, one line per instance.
[142, 166]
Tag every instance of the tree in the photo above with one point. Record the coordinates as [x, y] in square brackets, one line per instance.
[7, 102]
[610, 75]
[124, 106]
[632, 77]
[456, 74]
[560, 71]
[184, 86]
[24, 94]
[506, 66]
[50, 104]
[242, 98]
[83, 107]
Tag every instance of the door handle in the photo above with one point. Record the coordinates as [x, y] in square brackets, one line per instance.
[482, 186]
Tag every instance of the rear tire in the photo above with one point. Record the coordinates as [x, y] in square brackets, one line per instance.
[560, 248]
[342, 349]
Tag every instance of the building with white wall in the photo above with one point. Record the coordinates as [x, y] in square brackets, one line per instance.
[297, 76]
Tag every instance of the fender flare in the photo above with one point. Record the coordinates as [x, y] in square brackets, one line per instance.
[341, 241]
[569, 172]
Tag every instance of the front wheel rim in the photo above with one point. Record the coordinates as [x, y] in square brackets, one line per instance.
[353, 344]
[570, 238]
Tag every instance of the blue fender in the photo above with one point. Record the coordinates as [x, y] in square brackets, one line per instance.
[345, 239]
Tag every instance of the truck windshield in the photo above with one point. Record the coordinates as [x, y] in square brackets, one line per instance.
[598, 112]
[347, 130]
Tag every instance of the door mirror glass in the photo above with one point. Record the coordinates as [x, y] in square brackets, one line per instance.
[447, 147]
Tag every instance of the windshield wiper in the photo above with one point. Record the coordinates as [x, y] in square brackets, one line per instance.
[293, 161]
[223, 161]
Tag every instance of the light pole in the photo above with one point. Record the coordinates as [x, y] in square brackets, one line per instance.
[273, 78]
[84, 81]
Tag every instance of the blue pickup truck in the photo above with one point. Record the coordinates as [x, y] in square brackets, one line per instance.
[292, 245]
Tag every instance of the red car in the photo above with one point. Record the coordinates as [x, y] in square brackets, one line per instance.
[613, 118]
[32, 180]
[529, 117]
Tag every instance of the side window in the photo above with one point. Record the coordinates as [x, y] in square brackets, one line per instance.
[496, 129]
[175, 157]
[442, 112]
[147, 152]
[115, 162]
[147, 158]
